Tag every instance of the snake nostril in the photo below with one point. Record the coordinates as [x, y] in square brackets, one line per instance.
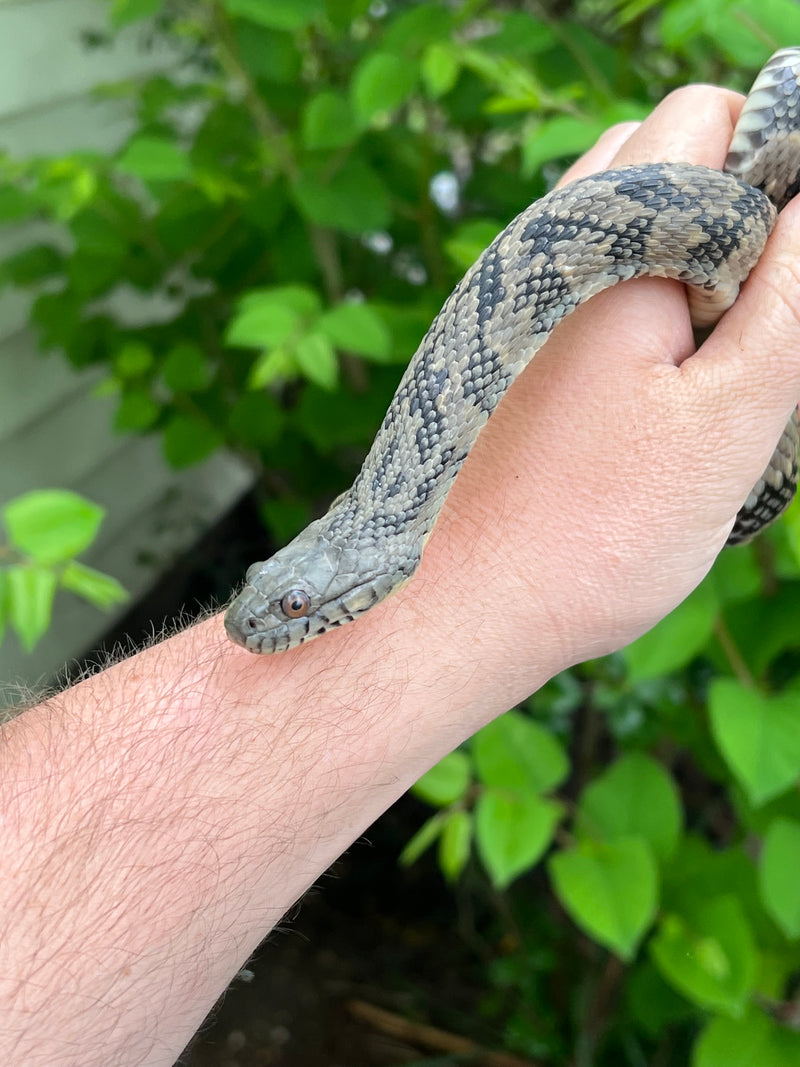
[251, 623]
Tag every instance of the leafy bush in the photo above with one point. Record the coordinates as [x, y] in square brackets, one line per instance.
[658, 790]
[253, 268]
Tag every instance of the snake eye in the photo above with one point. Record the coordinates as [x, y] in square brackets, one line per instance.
[295, 604]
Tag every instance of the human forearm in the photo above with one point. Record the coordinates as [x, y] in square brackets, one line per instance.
[162, 816]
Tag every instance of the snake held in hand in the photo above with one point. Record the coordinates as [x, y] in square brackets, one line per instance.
[669, 220]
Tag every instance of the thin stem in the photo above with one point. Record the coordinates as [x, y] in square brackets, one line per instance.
[765, 561]
[604, 993]
[733, 655]
[326, 250]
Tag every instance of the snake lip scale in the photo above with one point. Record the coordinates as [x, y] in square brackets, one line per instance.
[352, 600]
[671, 220]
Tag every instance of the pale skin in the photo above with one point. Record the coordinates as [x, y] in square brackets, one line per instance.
[159, 818]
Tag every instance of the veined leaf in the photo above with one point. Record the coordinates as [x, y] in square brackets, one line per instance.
[51, 525]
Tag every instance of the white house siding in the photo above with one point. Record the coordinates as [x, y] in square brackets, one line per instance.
[53, 432]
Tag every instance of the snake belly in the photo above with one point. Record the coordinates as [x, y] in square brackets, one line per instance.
[670, 220]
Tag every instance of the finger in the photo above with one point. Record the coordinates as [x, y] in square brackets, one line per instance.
[743, 383]
[691, 125]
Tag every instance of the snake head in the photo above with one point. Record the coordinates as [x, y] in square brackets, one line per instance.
[307, 588]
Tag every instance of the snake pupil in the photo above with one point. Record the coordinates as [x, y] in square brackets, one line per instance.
[295, 604]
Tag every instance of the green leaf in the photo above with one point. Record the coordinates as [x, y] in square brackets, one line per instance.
[681, 22]
[126, 11]
[136, 411]
[778, 880]
[30, 602]
[407, 325]
[285, 517]
[342, 13]
[635, 797]
[609, 889]
[709, 956]
[256, 419]
[353, 199]
[32, 264]
[262, 326]
[446, 782]
[99, 589]
[422, 839]
[132, 360]
[186, 369]
[518, 33]
[276, 14]
[350, 421]
[328, 121]
[698, 873]
[16, 204]
[569, 135]
[381, 83]
[557, 138]
[765, 629]
[439, 68]
[51, 525]
[518, 87]
[753, 1041]
[513, 832]
[759, 737]
[469, 240]
[737, 31]
[790, 520]
[357, 328]
[779, 18]
[454, 844]
[188, 440]
[273, 365]
[316, 359]
[676, 640]
[154, 159]
[515, 753]
[736, 576]
[651, 1004]
[268, 55]
[414, 25]
[4, 602]
[67, 186]
[301, 299]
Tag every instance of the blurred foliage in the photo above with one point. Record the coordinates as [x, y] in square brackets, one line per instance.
[44, 531]
[252, 269]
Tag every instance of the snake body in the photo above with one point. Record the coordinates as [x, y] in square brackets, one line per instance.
[671, 220]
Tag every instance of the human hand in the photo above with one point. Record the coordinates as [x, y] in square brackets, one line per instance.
[604, 487]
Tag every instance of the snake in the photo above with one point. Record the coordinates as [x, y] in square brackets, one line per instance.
[704, 227]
